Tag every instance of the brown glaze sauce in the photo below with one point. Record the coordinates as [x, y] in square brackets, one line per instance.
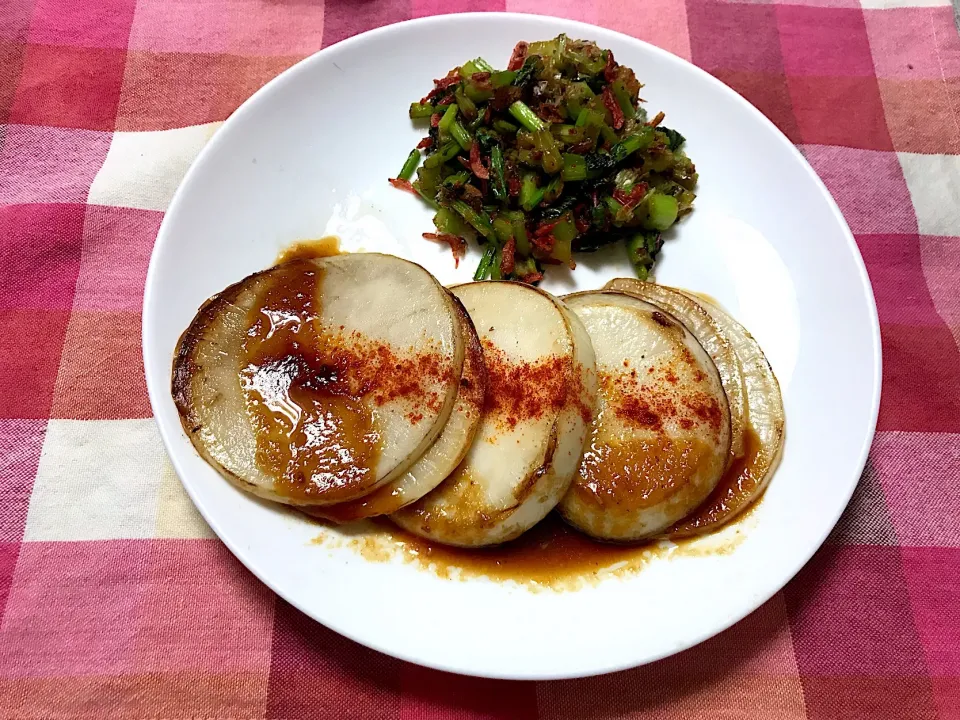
[733, 493]
[310, 249]
[312, 391]
[639, 473]
[312, 437]
[551, 554]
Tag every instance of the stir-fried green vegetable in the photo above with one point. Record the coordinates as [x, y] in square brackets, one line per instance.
[552, 156]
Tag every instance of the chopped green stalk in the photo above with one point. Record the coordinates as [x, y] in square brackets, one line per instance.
[524, 266]
[483, 269]
[502, 78]
[456, 179]
[421, 110]
[447, 151]
[495, 264]
[478, 220]
[530, 194]
[467, 106]
[640, 251]
[413, 159]
[623, 99]
[562, 251]
[475, 93]
[550, 160]
[577, 96]
[608, 134]
[569, 134]
[459, 133]
[447, 119]
[503, 229]
[498, 183]
[662, 211]
[448, 221]
[565, 230]
[574, 167]
[588, 117]
[505, 127]
[426, 198]
[526, 117]
[519, 222]
[553, 190]
[483, 65]
[631, 143]
[612, 205]
[474, 66]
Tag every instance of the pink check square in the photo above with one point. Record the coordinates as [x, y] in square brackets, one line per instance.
[105, 23]
[45, 164]
[91, 589]
[202, 610]
[826, 42]
[868, 185]
[903, 43]
[20, 444]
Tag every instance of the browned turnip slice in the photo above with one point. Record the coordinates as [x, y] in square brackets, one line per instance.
[442, 457]
[749, 476]
[661, 436]
[539, 400]
[710, 335]
[318, 381]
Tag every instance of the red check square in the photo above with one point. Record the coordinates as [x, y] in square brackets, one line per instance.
[868, 186]
[899, 284]
[921, 365]
[917, 471]
[341, 19]
[663, 22]
[15, 20]
[306, 653]
[868, 698]
[94, 587]
[861, 124]
[186, 26]
[9, 552]
[117, 242]
[100, 354]
[30, 376]
[769, 93]
[156, 97]
[69, 87]
[40, 255]
[11, 64]
[201, 610]
[51, 165]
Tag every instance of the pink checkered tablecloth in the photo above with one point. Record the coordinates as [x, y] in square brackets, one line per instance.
[115, 598]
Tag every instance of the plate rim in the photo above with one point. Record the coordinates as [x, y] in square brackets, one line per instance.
[155, 393]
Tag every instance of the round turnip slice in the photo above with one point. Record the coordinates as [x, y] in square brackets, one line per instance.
[749, 476]
[541, 389]
[442, 457]
[713, 339]
[317, 381]
[660, 439]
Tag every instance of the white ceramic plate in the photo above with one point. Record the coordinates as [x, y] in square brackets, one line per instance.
[310, 153]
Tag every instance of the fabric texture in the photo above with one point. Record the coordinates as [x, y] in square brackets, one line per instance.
[116, 601]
